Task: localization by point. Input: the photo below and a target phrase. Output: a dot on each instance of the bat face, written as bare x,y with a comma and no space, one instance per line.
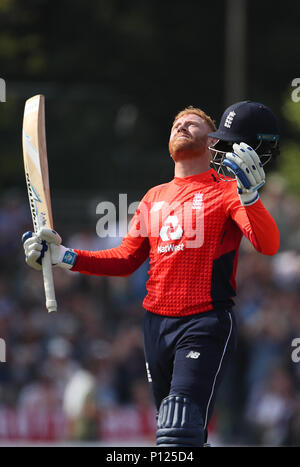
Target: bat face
35,162
37,180
36,213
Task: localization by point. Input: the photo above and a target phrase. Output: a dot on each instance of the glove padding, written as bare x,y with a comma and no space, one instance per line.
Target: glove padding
35,246
248,170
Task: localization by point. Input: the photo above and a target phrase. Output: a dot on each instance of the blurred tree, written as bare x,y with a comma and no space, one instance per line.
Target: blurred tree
94,59
289,160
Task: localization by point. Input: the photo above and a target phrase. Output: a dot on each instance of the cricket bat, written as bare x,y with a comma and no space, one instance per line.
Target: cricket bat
37,180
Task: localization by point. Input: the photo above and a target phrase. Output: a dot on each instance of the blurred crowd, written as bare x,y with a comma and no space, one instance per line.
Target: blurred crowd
88,357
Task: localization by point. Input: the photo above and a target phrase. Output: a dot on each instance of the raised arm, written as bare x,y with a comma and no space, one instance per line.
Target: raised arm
256,223
243,203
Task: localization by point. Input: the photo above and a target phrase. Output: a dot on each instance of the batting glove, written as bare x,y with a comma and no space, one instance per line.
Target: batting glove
35,246
248,170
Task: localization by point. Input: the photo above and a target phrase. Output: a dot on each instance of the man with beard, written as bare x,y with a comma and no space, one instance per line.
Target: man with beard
191,228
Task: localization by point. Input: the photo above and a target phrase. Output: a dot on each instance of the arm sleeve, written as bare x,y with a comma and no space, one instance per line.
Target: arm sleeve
255,222
122,260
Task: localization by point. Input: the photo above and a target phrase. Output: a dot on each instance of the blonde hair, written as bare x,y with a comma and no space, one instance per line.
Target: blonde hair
194,110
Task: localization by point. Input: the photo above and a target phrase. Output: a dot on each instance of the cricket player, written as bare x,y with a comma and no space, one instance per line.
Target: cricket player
191,228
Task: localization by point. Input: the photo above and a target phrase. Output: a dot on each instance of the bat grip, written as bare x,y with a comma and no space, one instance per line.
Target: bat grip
48,283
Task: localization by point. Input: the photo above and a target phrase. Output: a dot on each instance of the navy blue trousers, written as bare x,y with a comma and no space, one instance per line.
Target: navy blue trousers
188,355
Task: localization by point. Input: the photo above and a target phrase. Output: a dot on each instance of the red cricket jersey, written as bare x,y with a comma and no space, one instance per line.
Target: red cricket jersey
191,229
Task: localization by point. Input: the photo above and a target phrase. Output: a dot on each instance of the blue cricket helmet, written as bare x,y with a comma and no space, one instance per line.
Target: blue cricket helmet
248,122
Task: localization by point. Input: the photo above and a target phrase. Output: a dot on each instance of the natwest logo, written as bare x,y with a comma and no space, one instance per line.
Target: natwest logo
170,247
171,230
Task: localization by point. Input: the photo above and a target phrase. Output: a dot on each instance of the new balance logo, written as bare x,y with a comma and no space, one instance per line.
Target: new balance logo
193,354
229,119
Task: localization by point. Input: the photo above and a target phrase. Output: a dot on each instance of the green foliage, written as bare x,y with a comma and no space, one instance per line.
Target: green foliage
289,166
289,159
291,112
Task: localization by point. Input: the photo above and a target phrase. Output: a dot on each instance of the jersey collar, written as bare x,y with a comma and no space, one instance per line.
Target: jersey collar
205,177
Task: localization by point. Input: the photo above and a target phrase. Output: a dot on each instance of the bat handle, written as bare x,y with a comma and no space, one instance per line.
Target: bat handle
48,283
